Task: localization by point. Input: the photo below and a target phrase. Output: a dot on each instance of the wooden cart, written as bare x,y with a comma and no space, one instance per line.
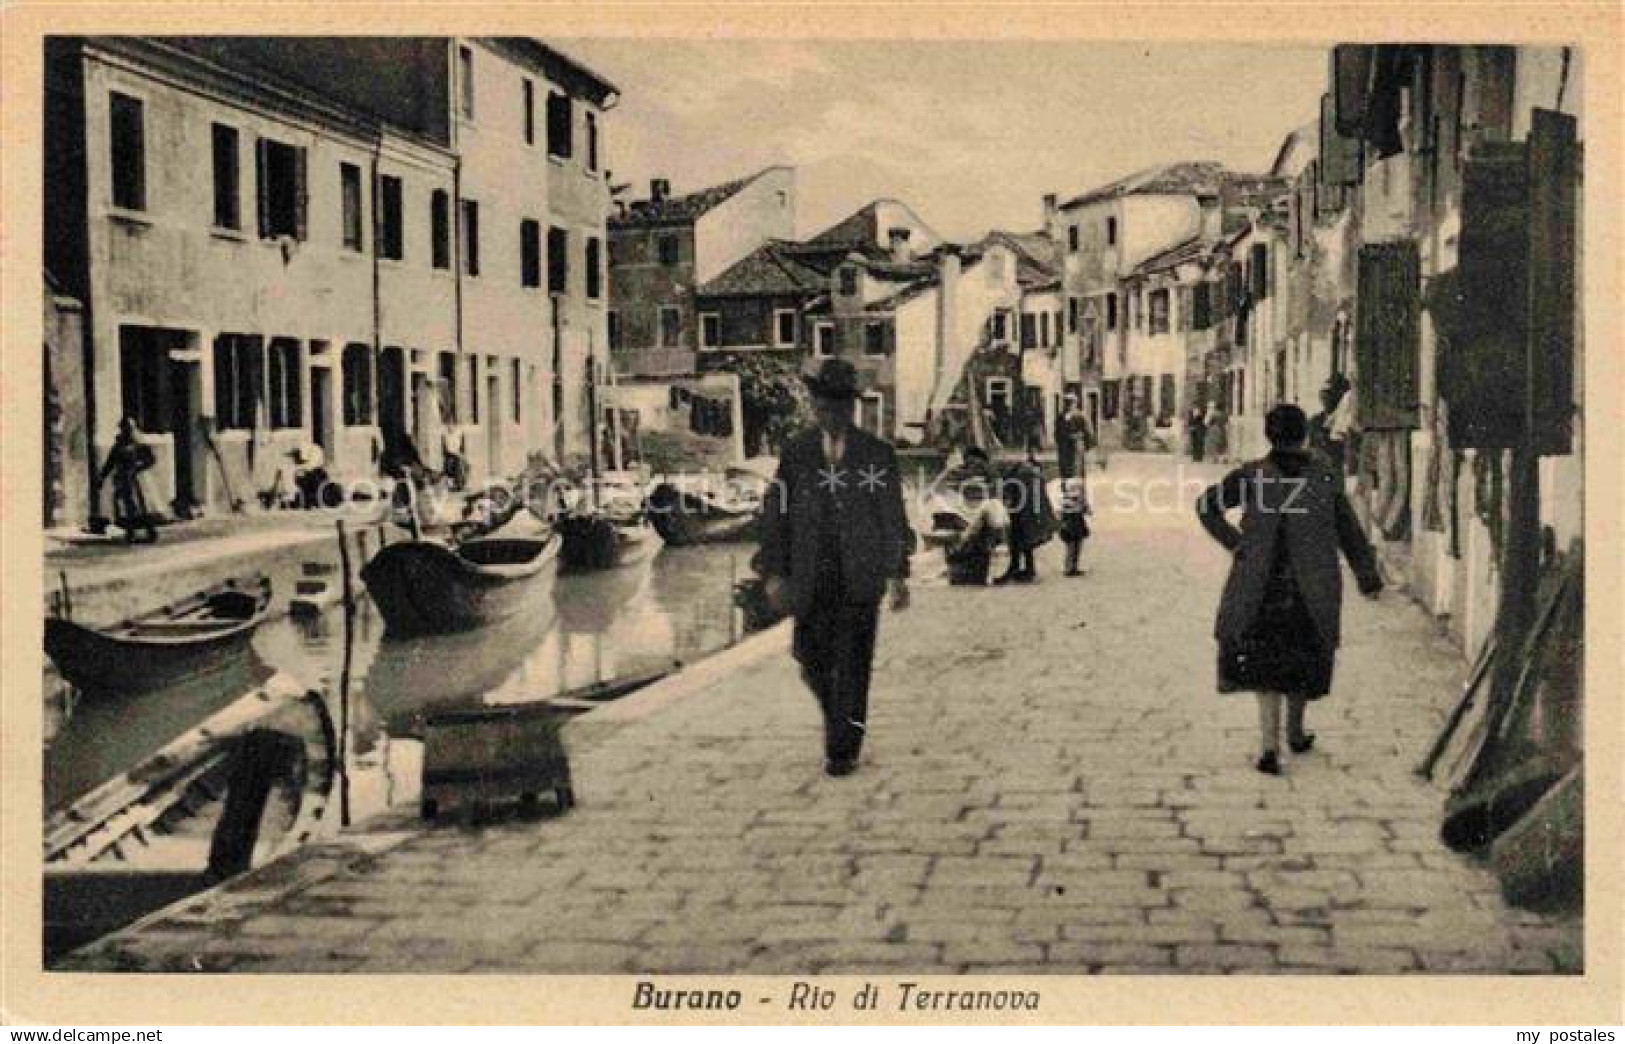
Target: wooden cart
483,756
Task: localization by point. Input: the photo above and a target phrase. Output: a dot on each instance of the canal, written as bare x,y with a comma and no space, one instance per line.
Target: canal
631,622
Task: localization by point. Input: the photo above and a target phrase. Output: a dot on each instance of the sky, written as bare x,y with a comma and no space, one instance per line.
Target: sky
970,134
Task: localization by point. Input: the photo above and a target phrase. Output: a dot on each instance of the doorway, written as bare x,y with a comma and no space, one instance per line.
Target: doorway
161,391
493,426
185,402
321,409
392,391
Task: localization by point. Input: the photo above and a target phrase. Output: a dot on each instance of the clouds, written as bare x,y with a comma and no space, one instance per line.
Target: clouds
970,133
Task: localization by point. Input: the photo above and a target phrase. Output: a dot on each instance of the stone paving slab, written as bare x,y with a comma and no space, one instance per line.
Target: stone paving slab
1051,785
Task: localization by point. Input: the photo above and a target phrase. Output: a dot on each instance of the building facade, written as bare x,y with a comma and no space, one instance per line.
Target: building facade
277,247
663,248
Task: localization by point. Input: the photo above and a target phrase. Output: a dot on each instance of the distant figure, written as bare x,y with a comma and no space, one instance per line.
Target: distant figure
309,474
1279,619
835,535
1074,521
1323,439
400,458
1031,520
1218,432
126,460
1076,440
1196,426
455,463
988,526
400,461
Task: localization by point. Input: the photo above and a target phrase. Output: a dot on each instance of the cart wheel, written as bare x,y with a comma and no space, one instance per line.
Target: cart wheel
428,808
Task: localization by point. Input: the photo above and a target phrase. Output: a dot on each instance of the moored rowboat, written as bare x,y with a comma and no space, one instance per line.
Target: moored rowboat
421,587
204,632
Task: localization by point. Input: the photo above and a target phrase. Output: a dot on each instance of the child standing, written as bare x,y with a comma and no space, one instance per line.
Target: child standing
1074,523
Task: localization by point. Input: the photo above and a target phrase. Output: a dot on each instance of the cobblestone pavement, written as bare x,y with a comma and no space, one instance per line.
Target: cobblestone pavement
1051,785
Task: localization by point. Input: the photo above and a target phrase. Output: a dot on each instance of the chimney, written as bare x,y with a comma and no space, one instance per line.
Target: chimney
947,306
1051,214
897,242
1212,219
659,189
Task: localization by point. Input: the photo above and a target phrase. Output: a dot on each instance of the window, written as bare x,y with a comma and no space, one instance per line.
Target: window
1108,399
465,80
558,261
529,103
391,230
592,141
1202,306
144,376
473,389
238,372
1111,311
448,387
849,281
710,330
350,205
1260,271
282,195
1029,330
1043,329
614,322
784,327
286,405
558,125
668,247
1055,327
1111,231
1072,238
471,237
872,413
1159,311
824,340
874,338
1074,308
998,326
530,253
128,136
595,268
517,390
1165,399
440,229
671,326
227,201
358,387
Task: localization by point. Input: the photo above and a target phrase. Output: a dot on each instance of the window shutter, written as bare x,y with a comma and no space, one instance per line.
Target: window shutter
1386,338
301,188
1553,187
1516,293
261,190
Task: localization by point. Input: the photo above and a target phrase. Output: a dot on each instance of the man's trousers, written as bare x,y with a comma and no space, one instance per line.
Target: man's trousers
835,645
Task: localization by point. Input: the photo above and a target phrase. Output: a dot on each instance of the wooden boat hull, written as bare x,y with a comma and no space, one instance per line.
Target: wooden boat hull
685,519
161,648
592,542
421,587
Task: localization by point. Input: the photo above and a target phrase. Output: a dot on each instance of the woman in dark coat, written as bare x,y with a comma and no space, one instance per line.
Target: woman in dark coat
1279,620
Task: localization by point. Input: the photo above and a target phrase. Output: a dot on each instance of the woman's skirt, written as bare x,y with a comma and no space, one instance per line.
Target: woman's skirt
1281,652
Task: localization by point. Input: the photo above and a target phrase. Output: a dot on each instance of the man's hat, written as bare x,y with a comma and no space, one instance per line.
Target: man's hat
835,379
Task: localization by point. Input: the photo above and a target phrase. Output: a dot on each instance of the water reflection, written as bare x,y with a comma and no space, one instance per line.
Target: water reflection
673,607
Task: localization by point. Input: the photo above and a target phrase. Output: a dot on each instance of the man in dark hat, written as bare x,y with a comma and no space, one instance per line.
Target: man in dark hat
835,537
